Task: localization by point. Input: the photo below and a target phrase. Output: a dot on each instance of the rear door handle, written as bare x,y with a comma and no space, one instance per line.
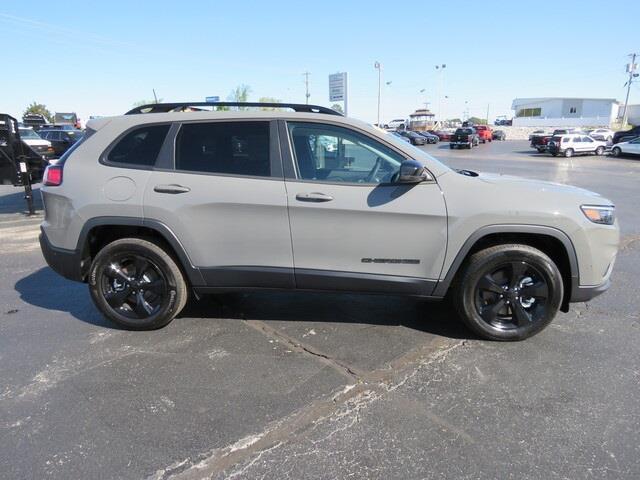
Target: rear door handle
316,197
172,189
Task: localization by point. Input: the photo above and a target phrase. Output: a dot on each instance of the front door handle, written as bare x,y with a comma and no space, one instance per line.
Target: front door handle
316,197
172,189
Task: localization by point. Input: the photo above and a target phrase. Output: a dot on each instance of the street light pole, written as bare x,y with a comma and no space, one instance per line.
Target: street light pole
378,66
440,68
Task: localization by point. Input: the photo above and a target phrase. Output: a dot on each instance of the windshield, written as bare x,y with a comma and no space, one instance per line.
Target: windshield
28,133
75,135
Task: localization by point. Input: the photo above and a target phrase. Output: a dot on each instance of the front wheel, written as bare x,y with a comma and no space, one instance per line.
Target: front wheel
616,152
568,152
508,292
135,283
600,151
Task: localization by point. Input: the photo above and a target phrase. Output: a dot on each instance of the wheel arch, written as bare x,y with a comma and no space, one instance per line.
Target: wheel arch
553,242
99,231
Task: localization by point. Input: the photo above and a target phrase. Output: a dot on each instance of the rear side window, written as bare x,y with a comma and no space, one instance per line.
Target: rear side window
140,146
232,148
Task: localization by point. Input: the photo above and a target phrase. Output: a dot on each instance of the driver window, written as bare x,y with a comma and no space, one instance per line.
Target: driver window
332,154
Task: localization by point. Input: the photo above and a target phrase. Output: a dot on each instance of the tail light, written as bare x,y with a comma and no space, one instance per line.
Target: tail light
52,176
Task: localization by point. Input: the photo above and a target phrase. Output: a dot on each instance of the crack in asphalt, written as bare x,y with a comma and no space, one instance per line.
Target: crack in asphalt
349,401
300,347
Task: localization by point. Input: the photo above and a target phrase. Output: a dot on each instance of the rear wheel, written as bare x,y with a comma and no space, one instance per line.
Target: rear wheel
508,292
137,284
568,152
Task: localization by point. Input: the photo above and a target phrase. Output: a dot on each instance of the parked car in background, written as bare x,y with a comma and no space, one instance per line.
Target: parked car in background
38,144
464,137
631,147
431,138
34,120
398,124
485,134
61,140
575,144
499,135
413,137
540,141
443,135
503,120
603,134
536,132
626,135
397,135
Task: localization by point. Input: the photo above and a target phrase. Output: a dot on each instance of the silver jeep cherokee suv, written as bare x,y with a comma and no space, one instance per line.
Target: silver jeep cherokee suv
165,200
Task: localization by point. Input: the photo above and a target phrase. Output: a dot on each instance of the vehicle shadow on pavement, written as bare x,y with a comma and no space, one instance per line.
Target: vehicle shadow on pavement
46,289
16,203
437,318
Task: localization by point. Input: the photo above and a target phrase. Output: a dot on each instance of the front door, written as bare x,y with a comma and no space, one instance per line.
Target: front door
352,228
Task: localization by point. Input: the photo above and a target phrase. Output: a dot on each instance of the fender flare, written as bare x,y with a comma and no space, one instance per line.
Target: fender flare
444,283
193,272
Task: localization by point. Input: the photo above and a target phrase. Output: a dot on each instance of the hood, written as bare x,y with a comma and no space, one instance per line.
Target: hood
540,186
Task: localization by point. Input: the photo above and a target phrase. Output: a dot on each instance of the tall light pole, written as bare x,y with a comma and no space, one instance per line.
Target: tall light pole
306,87
631,68
378,66
440,68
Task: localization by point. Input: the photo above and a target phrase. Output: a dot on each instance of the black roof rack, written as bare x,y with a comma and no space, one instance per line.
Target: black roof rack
168,107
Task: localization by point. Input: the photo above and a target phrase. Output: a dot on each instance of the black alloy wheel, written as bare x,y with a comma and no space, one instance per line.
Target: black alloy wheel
511,296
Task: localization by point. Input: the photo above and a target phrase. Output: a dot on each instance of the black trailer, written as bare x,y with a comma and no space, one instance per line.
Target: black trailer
19,164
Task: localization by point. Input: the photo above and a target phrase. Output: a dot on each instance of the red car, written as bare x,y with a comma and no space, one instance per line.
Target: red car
484,132
441,134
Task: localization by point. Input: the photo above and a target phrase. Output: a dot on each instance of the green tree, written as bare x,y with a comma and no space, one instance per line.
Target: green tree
268,100
140,103
337,107
39,109
240,93
477,121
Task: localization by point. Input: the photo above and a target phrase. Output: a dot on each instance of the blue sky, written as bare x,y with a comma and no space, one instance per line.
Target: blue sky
98,58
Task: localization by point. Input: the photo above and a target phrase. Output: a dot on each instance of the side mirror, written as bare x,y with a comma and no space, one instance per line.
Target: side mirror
412,171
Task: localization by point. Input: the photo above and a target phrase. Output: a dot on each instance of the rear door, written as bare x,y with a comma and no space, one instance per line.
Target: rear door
352,228
218,186
588,145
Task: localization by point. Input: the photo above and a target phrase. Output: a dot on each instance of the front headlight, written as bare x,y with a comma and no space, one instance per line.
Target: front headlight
602,214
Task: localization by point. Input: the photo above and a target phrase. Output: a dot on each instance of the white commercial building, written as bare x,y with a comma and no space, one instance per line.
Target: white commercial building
564,112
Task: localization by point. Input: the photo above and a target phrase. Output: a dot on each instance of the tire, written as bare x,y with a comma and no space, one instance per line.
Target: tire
126,296
599,151
488,292
616,151
568,152
470,145
540,150
451,145
554,154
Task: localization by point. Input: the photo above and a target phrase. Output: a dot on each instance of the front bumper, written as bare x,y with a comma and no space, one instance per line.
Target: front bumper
67,263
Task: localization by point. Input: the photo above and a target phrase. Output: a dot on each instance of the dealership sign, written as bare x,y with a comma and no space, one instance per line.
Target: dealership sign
212,99
338,87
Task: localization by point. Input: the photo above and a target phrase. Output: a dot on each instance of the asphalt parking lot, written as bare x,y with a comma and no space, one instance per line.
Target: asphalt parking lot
268,385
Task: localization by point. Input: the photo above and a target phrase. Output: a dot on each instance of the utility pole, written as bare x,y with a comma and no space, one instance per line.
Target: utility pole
155,97
306,87
378,66
440,68
631,68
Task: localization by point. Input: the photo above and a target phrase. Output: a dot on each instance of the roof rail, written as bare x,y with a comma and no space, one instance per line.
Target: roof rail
168,107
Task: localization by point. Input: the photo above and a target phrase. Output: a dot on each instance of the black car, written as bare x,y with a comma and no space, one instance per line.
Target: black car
61,140
499,135
413,137
626,135
431,138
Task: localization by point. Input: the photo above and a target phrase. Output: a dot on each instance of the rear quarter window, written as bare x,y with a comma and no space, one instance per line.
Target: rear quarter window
139,147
